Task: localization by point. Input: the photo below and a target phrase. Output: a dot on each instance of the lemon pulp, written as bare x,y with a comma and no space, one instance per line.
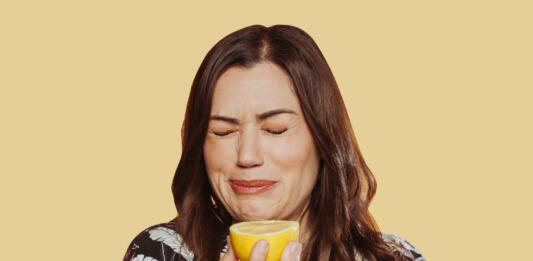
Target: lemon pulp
276,232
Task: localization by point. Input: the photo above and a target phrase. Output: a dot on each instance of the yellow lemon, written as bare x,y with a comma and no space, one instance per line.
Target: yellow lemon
276,232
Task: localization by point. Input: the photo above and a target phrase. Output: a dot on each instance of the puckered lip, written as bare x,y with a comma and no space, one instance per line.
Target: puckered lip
255,186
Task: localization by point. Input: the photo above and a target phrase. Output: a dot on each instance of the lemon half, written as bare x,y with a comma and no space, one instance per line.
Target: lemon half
276,232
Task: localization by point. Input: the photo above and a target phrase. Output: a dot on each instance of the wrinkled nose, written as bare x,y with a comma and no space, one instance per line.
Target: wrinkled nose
249,150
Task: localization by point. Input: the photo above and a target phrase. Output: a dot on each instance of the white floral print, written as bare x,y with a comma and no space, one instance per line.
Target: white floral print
143,258
403,246
172,239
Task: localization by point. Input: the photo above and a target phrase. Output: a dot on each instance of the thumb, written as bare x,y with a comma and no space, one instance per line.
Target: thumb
292,251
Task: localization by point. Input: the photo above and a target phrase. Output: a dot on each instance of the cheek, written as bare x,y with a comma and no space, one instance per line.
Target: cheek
218,159
216,154
296,153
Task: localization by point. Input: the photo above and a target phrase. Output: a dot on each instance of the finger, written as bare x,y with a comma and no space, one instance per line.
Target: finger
292,252
259,251
230,254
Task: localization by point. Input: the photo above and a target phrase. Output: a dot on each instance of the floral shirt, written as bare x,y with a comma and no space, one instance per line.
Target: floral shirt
162,243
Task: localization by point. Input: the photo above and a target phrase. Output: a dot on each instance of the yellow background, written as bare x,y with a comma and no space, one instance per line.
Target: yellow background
93,95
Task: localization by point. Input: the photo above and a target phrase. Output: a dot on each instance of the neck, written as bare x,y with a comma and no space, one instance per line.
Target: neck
305,230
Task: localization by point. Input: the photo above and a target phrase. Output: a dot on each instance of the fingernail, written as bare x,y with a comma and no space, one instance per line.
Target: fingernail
262,245
296,250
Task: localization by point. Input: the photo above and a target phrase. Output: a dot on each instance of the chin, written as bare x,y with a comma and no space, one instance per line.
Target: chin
251,214
254,209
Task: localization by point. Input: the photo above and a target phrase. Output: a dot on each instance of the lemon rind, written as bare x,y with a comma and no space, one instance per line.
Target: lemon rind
290,227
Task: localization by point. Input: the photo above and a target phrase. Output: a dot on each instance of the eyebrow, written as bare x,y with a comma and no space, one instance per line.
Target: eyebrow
259,117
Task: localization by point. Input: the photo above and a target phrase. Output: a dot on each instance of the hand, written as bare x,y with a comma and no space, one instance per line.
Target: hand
259,251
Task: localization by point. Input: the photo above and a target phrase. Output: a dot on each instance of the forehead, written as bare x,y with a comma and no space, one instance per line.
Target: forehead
262,87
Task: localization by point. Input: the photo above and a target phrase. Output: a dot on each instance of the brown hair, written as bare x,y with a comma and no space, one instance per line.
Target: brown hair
340,222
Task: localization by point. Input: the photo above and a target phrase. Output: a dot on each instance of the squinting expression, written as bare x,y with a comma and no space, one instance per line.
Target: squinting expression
259,154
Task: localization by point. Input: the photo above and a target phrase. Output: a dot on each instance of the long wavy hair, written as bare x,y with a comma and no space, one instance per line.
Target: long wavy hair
340,222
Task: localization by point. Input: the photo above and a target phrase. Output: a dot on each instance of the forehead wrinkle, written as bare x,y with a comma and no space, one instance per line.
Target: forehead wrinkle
240,90
259,117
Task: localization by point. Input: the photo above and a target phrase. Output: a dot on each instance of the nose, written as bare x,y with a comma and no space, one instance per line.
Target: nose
249,150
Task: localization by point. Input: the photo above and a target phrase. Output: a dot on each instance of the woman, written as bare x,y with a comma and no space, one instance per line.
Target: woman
266,136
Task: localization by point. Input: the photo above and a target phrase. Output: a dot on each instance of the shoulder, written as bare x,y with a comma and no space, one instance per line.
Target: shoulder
402,247
158,242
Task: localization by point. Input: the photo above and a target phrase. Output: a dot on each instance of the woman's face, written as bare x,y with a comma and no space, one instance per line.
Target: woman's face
259,154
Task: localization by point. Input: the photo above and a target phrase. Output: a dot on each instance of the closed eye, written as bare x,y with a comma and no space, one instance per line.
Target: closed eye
224,133
276,132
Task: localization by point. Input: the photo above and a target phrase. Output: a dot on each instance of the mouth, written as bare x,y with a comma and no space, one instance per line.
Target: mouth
250,187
